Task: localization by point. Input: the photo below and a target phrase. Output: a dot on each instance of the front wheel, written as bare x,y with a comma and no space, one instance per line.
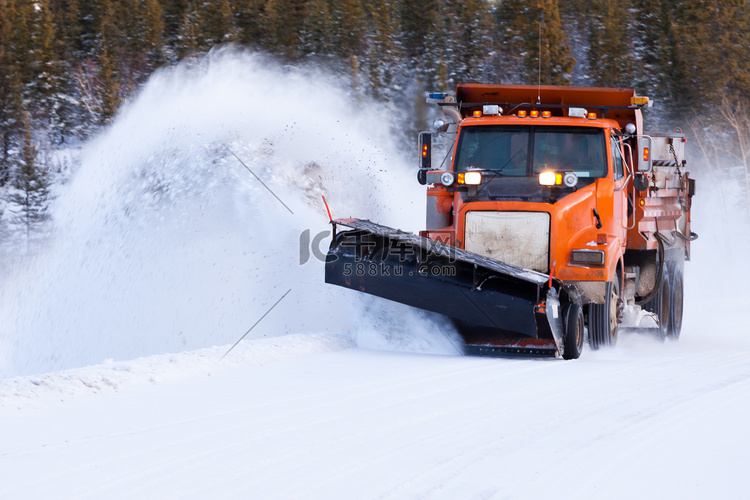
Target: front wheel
573,337
604,318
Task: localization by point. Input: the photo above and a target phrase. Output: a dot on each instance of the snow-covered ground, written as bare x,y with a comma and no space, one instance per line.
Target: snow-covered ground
309,416
119,381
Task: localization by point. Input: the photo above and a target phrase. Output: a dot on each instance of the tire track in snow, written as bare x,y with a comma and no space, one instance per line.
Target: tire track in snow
313,449
376,387
437,475
418,426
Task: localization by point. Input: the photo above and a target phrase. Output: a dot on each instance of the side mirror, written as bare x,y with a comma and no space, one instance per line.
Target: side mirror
644,153
425,150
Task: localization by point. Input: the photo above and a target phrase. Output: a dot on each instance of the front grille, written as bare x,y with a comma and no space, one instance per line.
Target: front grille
518,238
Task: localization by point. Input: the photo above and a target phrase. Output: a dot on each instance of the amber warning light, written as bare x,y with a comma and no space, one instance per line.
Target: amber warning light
425,150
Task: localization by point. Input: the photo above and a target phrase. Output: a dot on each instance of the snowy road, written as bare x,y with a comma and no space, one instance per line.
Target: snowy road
318,419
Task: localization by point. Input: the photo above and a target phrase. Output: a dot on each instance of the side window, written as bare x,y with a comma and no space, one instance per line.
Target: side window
617,159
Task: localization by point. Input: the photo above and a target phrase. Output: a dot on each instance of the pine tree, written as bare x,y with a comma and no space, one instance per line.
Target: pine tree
611,57
48,64
109,82
533,32
20,17
284,22
248,20
554,60
88,25
438,51
69,27
30,196
712,51
383,50
153,32
349,26
173,14
108,90
471,38
11,92
654,31
189,36
419,22
316,35
216,18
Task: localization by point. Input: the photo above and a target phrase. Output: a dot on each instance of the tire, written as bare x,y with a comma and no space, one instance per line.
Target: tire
676,297
604,318
573,337
660,304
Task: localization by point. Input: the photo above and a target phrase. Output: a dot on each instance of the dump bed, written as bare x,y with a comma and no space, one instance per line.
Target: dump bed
614,103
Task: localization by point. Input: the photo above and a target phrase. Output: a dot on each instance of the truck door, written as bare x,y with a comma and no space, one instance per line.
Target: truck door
620,209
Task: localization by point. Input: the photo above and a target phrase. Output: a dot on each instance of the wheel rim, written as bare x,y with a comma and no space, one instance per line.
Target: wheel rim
677,297
579,333
614,299
664,305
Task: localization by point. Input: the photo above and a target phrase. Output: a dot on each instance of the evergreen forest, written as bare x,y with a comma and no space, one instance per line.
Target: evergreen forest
66,66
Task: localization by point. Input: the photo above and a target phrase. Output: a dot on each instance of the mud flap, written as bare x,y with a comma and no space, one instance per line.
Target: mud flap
498,308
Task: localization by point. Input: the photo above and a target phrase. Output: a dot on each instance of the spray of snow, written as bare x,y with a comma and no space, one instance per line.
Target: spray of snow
165,241
716,292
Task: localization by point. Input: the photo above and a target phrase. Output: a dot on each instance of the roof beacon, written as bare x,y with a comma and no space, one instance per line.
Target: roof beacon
577,112
492,109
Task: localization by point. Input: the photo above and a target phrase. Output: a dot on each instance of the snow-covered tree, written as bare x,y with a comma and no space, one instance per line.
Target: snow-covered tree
383,47
29,196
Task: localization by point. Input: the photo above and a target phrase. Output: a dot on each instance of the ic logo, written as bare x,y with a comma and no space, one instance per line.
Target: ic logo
308,247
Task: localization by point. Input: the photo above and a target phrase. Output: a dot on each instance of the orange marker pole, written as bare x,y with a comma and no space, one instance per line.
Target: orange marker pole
551,272
330,219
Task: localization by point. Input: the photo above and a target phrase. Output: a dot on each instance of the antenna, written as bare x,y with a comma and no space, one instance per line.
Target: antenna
539,59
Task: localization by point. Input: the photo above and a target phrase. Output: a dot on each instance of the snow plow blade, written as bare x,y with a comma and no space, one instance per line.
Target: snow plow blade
499,309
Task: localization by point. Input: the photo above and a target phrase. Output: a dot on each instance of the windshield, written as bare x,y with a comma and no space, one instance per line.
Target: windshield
525,151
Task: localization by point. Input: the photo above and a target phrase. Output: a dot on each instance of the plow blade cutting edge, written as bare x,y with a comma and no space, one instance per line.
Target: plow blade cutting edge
499,309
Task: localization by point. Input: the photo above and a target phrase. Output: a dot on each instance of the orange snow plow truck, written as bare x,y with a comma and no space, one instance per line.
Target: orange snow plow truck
551,214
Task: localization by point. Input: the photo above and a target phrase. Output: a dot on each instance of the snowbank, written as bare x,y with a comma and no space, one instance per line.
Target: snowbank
35,390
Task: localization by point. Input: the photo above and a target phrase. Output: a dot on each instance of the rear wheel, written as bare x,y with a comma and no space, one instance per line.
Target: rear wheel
573,338
674,325
660,303
604,318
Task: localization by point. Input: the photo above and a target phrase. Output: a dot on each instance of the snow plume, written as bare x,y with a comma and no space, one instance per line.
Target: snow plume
717,295
165,241
388,326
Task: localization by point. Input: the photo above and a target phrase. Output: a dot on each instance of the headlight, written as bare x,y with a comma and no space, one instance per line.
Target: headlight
447,178
470,178
587,257
550,178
